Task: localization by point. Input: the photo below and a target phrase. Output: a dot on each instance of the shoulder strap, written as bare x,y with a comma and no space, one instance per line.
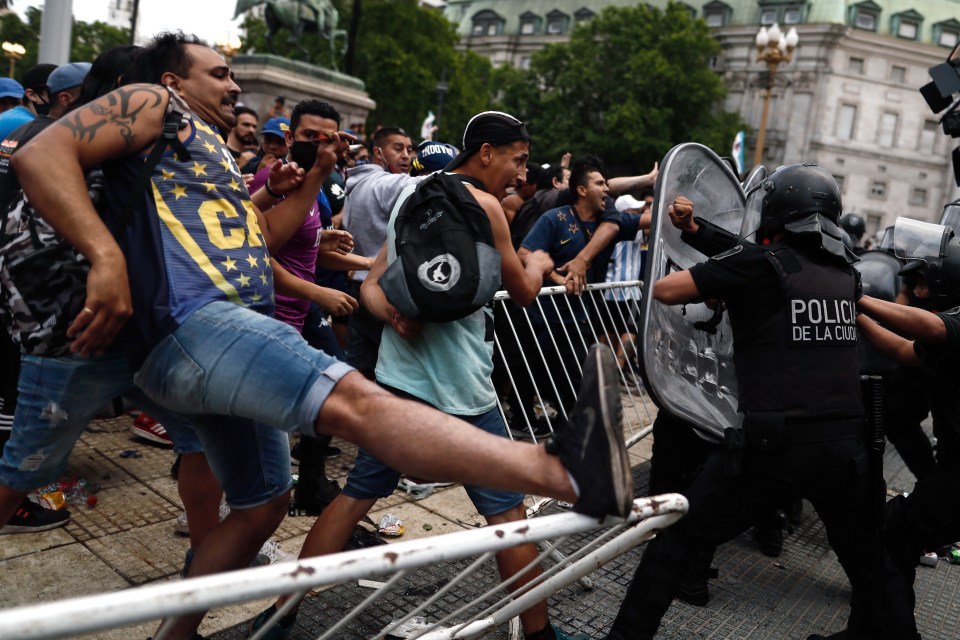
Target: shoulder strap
169,137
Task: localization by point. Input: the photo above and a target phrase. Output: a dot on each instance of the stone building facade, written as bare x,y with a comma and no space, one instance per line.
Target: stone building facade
848,100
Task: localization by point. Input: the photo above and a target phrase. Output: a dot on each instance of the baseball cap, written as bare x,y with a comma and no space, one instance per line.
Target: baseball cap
67,76
494,127
36,76
432,156
627,201
10,88
276,126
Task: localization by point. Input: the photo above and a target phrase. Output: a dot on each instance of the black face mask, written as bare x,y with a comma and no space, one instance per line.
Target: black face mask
43,108
304,153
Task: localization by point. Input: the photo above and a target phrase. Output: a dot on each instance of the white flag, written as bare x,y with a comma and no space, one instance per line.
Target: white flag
426,129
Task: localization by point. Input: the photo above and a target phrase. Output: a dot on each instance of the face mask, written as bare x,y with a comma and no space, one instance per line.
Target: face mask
42,108
304,153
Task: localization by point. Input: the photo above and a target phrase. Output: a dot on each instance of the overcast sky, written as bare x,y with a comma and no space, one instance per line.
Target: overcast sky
209,19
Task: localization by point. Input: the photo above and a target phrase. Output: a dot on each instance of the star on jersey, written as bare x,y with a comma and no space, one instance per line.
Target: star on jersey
253,260
179,191
573,229
209,146
231,265
210,186
167,174
561,216
199,169
244,281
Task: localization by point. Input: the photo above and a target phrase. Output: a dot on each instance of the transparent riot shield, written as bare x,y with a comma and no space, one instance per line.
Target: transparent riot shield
879,272
687,357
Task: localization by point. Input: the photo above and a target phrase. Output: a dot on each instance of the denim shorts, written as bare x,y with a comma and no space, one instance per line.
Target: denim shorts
370,478
58,397
227,360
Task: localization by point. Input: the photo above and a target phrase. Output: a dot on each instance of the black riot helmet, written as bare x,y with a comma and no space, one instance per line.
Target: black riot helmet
931,251
803,200
854,225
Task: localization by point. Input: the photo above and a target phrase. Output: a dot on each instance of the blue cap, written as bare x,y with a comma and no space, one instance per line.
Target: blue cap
432,156
276,126
10,88
67,76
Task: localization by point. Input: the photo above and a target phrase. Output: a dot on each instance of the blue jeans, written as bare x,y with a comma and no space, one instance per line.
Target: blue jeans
370,478
228,360
58,397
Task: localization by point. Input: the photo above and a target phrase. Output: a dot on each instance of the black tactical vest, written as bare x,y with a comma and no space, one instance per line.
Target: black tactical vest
802,361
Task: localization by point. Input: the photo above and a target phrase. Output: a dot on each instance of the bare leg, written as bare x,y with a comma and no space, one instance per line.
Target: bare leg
229,546
512,561
200,493
423,442
332,529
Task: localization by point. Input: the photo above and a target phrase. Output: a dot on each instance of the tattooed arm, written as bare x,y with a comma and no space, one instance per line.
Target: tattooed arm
51,169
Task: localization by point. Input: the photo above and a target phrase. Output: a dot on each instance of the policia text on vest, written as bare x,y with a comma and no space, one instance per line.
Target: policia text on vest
822,321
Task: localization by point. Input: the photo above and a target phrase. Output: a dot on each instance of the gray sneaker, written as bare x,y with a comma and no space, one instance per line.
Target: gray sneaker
591,445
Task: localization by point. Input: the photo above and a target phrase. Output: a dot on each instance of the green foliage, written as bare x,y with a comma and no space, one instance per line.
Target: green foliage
631,83
403,51
88,40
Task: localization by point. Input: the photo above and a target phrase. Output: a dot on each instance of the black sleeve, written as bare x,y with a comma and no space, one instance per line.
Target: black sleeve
709,238
942,358
742,272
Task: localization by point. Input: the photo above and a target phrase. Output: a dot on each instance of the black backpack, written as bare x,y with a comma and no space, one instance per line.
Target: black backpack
447,266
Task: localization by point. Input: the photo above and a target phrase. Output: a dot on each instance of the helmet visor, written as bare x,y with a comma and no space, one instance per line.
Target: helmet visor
751,213
951,216
915,239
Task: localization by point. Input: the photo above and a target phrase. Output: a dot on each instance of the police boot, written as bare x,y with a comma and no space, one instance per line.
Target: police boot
768,532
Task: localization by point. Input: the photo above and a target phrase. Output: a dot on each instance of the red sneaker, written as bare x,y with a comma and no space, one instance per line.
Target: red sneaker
149,429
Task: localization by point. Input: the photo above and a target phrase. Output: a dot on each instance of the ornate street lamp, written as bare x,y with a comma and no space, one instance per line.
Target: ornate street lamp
14,51
775,49
229,47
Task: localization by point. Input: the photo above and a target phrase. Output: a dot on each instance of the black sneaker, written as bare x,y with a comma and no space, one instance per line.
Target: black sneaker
591,445
31,517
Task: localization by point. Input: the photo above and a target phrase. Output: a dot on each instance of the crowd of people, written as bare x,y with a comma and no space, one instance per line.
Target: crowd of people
238,283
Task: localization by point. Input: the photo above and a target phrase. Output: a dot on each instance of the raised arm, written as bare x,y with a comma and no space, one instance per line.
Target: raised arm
907,321
888,343
51,169
626,184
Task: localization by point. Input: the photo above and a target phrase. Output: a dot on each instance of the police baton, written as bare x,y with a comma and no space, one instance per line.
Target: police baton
872,388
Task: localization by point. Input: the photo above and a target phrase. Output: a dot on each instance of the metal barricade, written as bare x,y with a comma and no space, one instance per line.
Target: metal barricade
69,618
538,363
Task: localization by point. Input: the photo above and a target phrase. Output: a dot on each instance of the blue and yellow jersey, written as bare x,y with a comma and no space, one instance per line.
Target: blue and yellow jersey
195,240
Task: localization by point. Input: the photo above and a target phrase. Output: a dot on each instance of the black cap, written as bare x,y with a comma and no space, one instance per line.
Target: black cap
493,127
36,76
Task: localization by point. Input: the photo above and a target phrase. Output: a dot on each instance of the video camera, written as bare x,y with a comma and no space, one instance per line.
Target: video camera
939,96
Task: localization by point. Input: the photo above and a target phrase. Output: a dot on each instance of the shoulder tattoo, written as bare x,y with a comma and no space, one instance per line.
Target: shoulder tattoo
117,111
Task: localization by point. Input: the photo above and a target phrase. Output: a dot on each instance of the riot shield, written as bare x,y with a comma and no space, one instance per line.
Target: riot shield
687,370
757,175
879,273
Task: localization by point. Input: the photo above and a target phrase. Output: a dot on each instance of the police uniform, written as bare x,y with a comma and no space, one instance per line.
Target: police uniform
930,516
792,312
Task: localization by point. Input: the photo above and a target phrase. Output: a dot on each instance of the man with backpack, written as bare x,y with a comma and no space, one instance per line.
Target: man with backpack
439,328
201,297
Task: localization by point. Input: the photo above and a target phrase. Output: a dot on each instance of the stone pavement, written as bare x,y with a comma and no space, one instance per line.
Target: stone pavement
128,540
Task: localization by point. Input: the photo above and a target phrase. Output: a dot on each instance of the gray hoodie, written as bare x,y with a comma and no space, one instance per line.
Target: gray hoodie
371,194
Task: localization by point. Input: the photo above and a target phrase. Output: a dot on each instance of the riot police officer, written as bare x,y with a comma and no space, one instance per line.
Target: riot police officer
790,298
930,516
855,226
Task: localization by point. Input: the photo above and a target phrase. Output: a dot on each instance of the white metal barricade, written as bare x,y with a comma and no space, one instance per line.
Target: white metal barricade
537,363
68,618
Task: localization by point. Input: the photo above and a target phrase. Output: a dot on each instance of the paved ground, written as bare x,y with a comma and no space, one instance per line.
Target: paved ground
128,539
